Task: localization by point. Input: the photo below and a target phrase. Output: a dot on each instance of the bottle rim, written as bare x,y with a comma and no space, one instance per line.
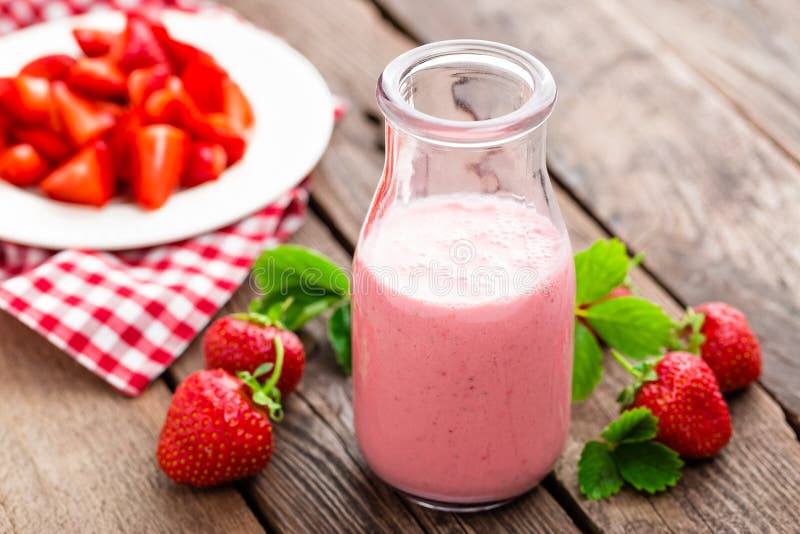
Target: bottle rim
528,116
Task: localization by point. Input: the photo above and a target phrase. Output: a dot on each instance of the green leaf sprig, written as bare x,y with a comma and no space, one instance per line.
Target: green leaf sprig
628,454
298,284
630,324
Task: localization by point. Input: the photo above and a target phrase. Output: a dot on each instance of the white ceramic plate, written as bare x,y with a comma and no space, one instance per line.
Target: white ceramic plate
294,118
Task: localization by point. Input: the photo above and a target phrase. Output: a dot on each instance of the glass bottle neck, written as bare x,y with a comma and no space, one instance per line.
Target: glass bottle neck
516,168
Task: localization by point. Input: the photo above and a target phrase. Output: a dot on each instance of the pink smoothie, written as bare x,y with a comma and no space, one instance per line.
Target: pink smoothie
462,347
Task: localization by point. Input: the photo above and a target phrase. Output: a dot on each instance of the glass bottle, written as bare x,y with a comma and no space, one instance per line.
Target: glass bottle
463,282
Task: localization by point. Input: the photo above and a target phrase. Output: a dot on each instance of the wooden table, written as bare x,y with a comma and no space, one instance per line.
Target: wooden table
677,130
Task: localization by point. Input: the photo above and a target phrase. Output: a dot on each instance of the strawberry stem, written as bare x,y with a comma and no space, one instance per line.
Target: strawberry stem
268,394
255,318
626,364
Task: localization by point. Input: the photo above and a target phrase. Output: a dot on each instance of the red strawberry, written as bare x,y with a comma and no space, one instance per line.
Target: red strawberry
53,67
83,120
98,77
237,107
215,430
730,347
204,82
682,391
121,142
243,342
94,43
213,433
46,142
86,178
143,82
21,165
138,46
205,163
159,158
217,128
29,100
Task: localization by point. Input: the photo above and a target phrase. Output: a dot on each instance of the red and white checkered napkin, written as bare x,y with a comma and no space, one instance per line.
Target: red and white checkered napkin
126,316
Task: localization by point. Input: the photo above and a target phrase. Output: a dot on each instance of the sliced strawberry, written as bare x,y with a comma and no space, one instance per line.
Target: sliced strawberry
6,93
112,109
169,105
30,100
21,165
5,130
94,43
98,78
83,121
52,67
143,82
46,142
235,104
138,47
87,178
182,54
121,140
203,82
218,128
160,157
205,163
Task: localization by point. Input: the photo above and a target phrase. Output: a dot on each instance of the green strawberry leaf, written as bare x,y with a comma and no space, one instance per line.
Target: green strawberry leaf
599,269
598,475
310,282
339,335
648,466
587,367
632,325
632,426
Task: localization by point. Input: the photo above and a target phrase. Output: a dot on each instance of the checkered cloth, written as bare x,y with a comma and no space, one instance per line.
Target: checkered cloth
126,316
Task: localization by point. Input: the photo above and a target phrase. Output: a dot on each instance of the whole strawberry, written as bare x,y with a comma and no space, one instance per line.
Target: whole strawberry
243,342
682,391
730,348
216,429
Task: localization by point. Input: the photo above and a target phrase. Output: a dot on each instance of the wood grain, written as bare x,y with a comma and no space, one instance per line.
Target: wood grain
351,170
749,51
661,158
75,456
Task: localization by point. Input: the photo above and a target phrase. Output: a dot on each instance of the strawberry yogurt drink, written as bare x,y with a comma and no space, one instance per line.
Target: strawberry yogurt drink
463,288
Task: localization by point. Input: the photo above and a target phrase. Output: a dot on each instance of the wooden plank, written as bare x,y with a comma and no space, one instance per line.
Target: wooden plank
351,172
317,478
75,455
661,158
750,51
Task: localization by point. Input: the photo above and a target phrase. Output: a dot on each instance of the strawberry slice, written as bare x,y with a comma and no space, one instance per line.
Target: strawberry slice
205,163
160,158
138,47
98,77
169,105
235,105
5,130
6,93
52,67
112,109
46,142
29,100
87,178
143,82
94,43
121,141
218,128
83,121
21,165
203,81
182,54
